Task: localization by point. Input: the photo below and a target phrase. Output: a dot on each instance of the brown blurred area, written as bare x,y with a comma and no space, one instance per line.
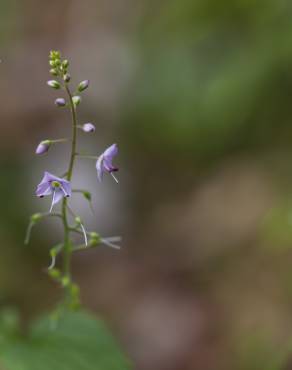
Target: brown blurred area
198,97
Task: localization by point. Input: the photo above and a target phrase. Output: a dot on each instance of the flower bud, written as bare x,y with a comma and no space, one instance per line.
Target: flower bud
65,281
83,85
55,273
54,72
36,218
52,63
75,290
54,84
65,63
78,220
43,147
94,239
76,100
67,77
60,102
54,54
87,195
88,127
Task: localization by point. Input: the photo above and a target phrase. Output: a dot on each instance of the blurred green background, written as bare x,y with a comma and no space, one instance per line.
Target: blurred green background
198,96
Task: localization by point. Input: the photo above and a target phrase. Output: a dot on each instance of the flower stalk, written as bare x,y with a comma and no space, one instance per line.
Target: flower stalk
60,187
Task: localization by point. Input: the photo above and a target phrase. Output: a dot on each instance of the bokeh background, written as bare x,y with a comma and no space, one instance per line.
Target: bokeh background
198,96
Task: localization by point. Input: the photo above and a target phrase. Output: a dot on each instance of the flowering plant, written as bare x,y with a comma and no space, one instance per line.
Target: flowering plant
60,188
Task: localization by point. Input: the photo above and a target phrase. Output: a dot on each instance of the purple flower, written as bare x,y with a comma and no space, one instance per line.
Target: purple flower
43,147
104,162
52,184
88,127
60,102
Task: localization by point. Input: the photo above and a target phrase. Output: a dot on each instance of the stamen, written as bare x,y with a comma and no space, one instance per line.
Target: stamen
109,244
114,239
53,200
52,265
64,191
84,234
114,177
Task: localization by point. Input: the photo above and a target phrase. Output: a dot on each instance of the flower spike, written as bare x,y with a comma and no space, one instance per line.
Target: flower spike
59,188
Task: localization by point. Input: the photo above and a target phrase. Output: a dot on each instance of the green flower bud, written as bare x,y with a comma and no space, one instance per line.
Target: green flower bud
94,239
55,273
67,77
65,281
83,85
53,252
57,62
65,63
36,217
54,54
78,220
76,100
75,290
87,195
54,84
54,72
52,63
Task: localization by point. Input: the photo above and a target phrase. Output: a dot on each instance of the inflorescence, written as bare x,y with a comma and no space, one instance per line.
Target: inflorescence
59,188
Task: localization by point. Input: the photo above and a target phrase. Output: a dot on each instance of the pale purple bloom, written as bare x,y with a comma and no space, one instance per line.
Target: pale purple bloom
53,185
43,147
104,162
88,127
83,85
60,102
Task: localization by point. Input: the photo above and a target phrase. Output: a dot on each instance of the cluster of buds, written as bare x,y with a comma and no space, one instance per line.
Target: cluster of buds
60,188
59,68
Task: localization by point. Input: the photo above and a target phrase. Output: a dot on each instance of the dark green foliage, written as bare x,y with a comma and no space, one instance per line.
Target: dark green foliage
80,342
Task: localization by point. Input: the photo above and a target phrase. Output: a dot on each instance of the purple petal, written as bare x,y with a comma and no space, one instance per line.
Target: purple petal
66,188
108,158
43,190
50,177
44,185
110,152
57,196
100,168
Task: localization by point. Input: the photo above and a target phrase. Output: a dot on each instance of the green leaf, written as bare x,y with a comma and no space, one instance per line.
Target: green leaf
80,342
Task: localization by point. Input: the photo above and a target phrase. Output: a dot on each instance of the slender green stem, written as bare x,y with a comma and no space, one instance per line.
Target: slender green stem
67,241
86,156
58,141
